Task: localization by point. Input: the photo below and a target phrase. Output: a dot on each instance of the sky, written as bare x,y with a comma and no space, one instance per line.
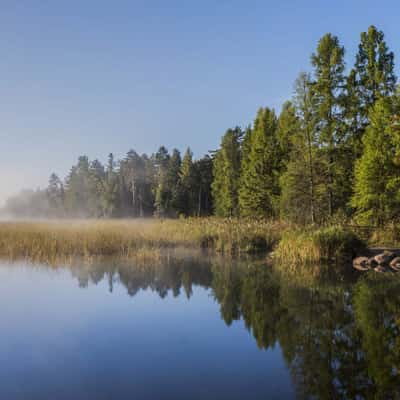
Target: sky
93,77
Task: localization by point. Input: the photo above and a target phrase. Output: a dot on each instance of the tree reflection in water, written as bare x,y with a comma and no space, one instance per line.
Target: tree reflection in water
339,337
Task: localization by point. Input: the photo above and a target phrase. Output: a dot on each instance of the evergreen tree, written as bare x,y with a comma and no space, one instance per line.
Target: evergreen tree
204,178
299,181
135,184
371,78
259,181
162,194
171,185
110,199
186,194
377,174
55,196
77,194
226,172
374,69
328,90
288,127
96,180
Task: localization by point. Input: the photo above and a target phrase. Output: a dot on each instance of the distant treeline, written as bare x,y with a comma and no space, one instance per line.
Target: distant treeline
163,184
332,152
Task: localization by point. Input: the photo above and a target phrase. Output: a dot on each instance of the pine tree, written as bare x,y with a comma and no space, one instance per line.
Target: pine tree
259,181
288,127
377,175
186,193
172,183
371,78
328,90
55,196
77,194
299,181
162,196
204,178
110,198
226,172
374,70
96,182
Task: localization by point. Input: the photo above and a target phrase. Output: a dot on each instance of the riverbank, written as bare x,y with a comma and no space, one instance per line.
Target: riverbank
45,241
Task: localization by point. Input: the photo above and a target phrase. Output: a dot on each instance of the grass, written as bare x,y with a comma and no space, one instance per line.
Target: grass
143,241
316,246
47,241
389,236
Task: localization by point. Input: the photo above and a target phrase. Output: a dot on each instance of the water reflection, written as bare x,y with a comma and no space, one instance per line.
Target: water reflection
339,337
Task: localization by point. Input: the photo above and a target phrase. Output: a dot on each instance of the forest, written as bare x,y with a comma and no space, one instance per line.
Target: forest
331,154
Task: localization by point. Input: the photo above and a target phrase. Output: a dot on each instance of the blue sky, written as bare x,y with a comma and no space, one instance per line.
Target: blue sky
93,77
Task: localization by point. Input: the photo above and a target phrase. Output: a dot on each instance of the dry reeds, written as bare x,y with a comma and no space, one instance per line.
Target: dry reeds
46,241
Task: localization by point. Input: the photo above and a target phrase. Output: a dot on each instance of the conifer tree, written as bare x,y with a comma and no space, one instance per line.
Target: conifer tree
288,127
226,172
172,182
328,90
299,181
259,181
204,178
374,69
110,200
55,196
371,78
162,198
377,174
186,194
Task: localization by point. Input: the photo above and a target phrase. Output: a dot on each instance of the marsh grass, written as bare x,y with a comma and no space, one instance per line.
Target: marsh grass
48,241
318,246
388,236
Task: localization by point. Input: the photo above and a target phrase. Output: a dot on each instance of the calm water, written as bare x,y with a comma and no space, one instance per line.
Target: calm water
195,329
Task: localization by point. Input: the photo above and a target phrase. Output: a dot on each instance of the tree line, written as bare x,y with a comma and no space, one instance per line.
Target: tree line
332,152
163,184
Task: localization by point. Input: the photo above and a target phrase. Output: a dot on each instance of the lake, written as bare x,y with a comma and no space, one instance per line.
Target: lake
196,328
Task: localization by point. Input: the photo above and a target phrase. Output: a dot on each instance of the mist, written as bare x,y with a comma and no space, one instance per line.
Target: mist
161,184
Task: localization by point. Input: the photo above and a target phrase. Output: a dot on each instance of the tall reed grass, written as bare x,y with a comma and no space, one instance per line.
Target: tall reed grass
316,246
45,241
388,236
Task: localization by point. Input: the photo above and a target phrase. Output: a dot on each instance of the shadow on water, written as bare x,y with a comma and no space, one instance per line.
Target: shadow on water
339,335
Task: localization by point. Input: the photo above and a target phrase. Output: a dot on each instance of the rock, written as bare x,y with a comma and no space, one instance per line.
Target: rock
363,261
372,262
395,264
385,257
381,268
360,267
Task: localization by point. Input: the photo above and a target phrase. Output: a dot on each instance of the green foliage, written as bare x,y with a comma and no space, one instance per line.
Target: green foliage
298,182
259,187
376,306
204,168
328,63
374,71
226,170
288,127
377,174
332,153
187,181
